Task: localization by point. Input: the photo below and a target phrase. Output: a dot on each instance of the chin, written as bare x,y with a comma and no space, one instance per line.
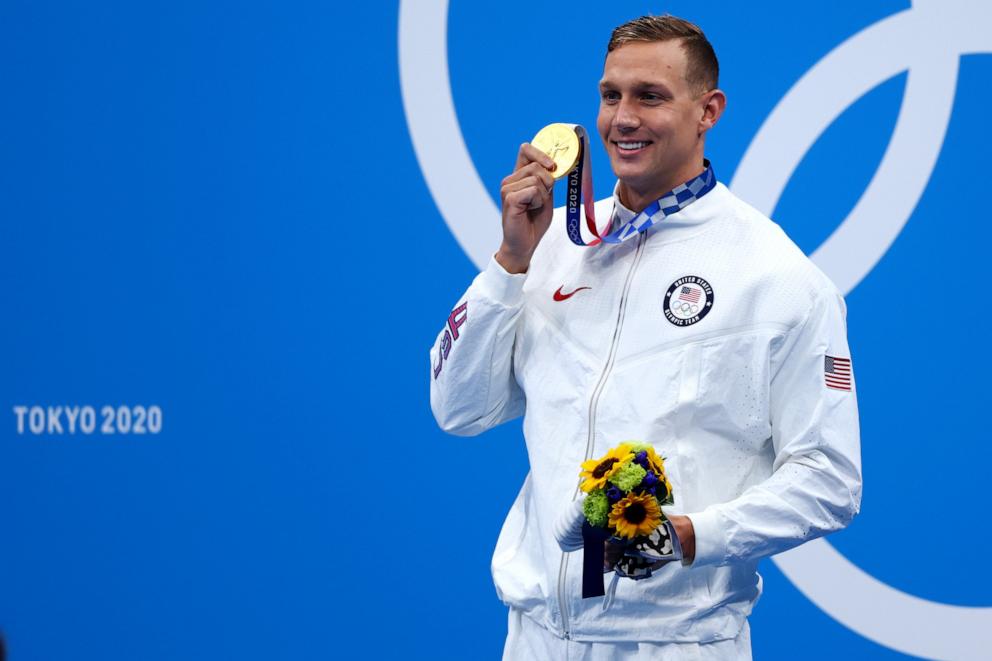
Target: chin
623,169
630,176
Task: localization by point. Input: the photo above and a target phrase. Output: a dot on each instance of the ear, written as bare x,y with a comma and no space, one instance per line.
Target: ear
713,103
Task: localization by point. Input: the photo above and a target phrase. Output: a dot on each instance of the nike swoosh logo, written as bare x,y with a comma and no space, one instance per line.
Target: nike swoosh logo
562,297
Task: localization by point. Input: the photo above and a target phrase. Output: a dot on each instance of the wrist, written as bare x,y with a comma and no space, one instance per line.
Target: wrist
512,263
687,536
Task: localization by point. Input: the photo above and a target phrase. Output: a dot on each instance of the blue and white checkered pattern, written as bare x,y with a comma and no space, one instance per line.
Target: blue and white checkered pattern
672,202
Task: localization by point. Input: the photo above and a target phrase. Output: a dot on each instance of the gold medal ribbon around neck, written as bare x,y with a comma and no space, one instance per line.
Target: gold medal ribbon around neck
568,147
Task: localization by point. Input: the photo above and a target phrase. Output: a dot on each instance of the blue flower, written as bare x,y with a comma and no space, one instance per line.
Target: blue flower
650,480
641,458
614,494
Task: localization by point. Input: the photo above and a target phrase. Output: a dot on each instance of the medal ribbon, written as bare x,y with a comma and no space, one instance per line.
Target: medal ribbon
580,190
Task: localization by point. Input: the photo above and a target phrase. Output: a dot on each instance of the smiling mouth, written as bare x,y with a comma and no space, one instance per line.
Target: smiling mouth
631,146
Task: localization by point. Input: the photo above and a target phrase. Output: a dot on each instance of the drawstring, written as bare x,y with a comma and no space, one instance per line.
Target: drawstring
635,572
611,591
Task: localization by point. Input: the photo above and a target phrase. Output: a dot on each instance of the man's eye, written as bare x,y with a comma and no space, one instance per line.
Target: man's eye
610,96
648,96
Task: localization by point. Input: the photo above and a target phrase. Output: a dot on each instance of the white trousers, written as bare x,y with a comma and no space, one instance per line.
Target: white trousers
526,640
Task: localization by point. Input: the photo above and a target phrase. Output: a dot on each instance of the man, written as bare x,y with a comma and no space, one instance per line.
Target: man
708,335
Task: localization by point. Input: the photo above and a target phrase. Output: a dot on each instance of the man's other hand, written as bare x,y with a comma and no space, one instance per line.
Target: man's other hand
687,536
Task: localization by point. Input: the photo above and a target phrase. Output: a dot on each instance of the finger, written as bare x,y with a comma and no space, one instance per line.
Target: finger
536,196
530,170
543,173
528,153
526,182
527,199
612,552
533,170
540,200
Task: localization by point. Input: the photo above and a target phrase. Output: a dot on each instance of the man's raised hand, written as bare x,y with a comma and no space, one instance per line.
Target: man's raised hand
526,197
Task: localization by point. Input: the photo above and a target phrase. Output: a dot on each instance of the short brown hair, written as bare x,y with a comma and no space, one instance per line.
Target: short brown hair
702,69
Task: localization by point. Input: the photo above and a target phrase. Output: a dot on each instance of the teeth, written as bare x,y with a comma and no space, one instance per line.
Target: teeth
631,145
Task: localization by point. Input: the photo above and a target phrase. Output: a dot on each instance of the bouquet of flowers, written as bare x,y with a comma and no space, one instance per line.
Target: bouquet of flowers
623,527
625,491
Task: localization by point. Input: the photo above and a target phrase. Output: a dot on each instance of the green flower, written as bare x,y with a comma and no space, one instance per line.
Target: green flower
596,508
638,446
628,477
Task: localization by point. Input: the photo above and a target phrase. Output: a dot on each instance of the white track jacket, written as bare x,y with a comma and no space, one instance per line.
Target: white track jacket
710,336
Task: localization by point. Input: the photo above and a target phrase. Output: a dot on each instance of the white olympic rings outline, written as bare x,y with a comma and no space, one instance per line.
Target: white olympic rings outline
926,40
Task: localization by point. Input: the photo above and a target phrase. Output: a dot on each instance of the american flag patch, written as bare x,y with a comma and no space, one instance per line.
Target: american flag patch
689,294
837,372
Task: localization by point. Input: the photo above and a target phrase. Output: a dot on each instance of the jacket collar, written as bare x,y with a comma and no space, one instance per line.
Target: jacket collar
681,223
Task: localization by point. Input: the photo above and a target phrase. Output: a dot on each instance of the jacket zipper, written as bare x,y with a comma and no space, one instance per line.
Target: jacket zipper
593,403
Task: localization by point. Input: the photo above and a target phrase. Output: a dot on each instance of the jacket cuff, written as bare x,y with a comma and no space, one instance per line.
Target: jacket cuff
500,286
710,544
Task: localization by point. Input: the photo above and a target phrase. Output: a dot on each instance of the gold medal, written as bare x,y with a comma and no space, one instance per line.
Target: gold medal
560,142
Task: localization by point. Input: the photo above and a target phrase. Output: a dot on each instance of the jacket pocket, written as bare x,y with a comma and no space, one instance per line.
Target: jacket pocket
516,573
734,384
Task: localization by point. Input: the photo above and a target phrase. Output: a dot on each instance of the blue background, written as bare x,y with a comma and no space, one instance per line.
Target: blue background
216,209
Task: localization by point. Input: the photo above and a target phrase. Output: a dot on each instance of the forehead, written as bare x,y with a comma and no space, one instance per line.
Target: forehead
642,62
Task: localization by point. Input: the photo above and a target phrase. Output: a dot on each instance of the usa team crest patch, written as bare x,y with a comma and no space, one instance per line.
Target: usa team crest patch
688,300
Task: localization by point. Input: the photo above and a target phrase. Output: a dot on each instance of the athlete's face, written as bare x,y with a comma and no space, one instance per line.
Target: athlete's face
651,121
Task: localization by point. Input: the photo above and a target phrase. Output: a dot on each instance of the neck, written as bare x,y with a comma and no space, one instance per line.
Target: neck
637,197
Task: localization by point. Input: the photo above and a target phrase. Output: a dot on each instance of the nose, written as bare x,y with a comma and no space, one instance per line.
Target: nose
626,118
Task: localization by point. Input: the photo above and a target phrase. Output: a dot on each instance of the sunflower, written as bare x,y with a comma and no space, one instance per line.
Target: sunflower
636,515
655,463
595,472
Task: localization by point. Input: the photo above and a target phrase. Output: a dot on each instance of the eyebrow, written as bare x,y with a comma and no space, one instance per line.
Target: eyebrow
638,86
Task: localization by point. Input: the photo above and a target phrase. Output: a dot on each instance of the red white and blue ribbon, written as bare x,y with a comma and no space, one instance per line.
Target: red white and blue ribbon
580,191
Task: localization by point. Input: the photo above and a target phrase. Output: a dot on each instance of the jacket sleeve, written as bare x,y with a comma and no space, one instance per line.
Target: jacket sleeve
472,383
815,486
